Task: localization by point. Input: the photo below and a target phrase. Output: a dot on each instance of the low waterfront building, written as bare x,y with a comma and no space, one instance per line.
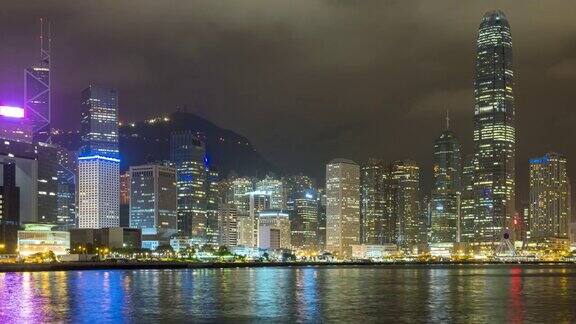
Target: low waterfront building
86,239
374,251
181,243
40,238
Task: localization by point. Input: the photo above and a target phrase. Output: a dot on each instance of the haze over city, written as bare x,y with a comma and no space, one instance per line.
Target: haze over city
305,81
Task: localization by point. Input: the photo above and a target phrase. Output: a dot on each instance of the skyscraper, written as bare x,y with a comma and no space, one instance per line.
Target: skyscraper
66,195
125,199
409,222
304,223
153,203
212,202
550,205
37,88
47,182
494,128
9,208
227,224
296,186
446,191
273,230
372,177
342,206
274,188
468,202
99,122
188,155
98,161
240,188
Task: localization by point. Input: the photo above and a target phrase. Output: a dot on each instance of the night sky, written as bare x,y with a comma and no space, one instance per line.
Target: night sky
306,81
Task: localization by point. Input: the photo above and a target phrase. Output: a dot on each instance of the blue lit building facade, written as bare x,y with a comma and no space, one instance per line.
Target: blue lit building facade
98,162
188,154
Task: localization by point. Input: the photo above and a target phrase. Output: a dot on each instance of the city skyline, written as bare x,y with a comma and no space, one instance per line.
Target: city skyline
433,79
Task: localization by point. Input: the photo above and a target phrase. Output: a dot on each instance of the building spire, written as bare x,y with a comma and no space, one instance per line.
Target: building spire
447,119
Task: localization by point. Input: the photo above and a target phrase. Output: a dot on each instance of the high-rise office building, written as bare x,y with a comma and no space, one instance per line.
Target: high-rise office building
188,154
98,161
494,128
275,189
66,193
372,177
37,86
212,203
304,222
446,191
409,221
9,209
550,205
468,202
153,203
99,122
342,206
47,183
296,186
321,232
227,224
273,230
240,188
24,157
125,199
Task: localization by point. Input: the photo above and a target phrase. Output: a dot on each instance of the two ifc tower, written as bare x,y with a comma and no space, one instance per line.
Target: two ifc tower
487,185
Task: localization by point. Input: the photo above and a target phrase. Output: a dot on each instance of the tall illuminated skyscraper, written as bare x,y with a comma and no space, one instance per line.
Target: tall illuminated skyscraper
446,191
99,160
304,224
37,88
212,203
550,205
494,128
342,206
275,188
372,177
188,154
468,201
240,188
409,222
153,203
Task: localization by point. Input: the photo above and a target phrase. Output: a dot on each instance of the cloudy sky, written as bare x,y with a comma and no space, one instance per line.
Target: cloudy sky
304,80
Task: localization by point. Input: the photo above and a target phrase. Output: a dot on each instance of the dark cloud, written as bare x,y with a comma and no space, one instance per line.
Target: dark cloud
305,80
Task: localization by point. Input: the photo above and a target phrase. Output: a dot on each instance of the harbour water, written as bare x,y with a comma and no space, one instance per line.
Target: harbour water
353,294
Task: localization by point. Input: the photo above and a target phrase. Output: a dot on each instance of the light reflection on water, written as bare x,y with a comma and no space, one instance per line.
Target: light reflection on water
512,294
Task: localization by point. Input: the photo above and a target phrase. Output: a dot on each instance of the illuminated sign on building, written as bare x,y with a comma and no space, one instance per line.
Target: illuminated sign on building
14,112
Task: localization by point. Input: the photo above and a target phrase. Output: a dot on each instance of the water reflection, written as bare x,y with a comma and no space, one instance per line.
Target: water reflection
310,294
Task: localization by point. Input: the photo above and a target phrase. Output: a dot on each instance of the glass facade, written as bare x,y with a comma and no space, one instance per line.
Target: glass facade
37,96
494,129
550,205
188,155
409,222
342,206
372,176
99,122
445,197
98,162
153,202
